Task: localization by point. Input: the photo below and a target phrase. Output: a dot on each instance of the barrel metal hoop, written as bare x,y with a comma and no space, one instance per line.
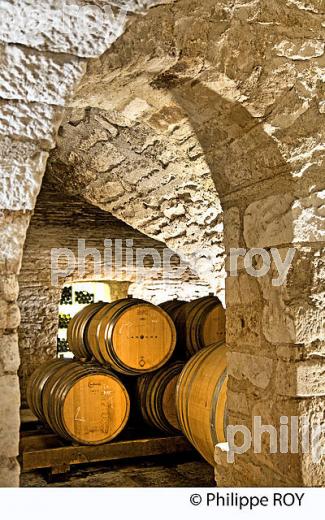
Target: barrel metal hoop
214,403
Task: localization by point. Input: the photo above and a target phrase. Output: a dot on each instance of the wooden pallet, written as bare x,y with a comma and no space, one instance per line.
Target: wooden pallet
41,449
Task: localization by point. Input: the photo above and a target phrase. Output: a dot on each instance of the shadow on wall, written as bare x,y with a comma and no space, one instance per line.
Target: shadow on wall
257,190
237,149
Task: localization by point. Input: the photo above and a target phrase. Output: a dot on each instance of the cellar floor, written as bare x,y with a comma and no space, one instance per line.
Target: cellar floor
173,471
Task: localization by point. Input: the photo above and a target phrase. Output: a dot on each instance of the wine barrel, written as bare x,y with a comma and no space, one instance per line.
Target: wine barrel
85,403
131,335
156,397
201,399
76,333
172,307
198,323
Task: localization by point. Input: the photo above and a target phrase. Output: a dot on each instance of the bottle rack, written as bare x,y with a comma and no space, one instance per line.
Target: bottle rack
72,301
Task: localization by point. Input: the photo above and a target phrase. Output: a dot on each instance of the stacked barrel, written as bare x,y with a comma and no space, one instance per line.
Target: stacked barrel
130,335
198,323
201,387
156,395
175,348
85,403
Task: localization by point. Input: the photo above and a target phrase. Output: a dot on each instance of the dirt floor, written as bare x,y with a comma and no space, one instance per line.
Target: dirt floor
180,471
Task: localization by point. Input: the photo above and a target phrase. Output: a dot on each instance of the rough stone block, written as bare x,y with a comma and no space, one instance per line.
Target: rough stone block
276,470
282,220
78,28
257,370
313,472
305,280
310,323
35,121
242,289
9,415
9,353
13,227
3,314
9,472
34,76
293,310
108,192
9,288
19,185
268,222
286,321
244,327
300,351
237,402
232,227
220,454
278,322
13,316
21,152
300,379
300,49
269,412
309,218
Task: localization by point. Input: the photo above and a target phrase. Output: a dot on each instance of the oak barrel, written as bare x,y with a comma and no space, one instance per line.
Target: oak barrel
81,402
198,323
156,397
77,327
201,399
131,335
173,308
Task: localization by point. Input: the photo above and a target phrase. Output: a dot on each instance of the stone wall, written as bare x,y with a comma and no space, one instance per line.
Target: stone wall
58,222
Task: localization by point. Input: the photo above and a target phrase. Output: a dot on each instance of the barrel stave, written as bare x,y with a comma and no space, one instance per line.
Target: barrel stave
201,399
157,408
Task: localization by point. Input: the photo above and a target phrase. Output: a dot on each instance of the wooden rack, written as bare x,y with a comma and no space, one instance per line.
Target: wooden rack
42,449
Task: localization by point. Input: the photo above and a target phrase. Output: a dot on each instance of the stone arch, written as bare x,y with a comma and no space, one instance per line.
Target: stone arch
52,258
154,182
269,89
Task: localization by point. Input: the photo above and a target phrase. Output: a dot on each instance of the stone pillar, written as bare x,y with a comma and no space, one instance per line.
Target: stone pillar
9,384
30,112
20,165
275,335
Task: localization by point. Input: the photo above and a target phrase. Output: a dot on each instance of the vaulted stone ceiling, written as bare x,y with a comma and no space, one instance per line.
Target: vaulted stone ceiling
194,102
160,184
